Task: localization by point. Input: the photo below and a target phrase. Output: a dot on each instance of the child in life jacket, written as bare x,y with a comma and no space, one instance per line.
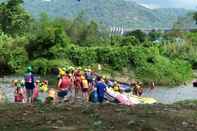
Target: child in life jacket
52,97
44,85
36,91
18,92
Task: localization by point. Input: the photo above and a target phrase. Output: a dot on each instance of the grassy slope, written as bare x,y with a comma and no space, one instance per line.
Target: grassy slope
179,117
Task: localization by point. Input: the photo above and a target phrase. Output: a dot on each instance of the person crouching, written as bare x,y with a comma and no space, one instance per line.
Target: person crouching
52,97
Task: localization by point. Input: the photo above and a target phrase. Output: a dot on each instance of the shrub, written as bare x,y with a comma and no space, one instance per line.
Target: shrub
40,66
165,71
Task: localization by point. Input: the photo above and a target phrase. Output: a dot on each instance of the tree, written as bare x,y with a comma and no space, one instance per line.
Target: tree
90,35
13,17
77,29
154,35
128,41
195,17
141,36
49,38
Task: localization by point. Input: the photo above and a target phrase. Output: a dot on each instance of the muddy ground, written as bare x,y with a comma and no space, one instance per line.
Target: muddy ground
96,117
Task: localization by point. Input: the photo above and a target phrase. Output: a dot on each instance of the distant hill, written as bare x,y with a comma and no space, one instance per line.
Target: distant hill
186,22
124,13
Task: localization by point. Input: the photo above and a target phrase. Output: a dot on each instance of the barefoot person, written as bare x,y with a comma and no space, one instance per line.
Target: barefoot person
29,84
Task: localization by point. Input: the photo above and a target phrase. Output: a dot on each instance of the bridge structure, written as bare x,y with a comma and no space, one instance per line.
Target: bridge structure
121,31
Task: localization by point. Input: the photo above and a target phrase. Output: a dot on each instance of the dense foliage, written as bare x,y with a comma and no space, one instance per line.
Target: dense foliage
50,43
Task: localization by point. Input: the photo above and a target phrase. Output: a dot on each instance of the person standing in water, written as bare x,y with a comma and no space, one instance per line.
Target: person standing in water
152,85
29,84
101,88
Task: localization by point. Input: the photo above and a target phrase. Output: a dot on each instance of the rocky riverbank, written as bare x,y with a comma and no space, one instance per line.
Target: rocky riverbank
107,117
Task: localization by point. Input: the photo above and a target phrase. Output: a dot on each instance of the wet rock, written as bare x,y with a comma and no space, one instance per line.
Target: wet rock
185,124
97,123
131,122
68,108
49,122
55,127
59,122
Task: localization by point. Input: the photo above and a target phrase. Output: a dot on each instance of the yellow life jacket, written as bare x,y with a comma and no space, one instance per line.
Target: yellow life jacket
44,87
116,88
85,84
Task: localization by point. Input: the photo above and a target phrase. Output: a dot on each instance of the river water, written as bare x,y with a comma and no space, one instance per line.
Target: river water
166,95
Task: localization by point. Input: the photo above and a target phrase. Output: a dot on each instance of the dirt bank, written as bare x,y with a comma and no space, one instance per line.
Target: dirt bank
106,117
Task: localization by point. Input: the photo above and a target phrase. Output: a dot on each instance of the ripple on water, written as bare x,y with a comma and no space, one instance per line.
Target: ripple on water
170,95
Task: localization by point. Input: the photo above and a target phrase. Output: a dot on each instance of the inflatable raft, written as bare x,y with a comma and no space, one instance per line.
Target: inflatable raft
127,98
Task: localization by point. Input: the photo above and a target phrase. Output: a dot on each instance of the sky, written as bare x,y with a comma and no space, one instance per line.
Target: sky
187,4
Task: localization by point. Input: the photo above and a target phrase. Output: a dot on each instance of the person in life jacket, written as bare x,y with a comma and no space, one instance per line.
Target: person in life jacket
116,87
36,91
101,88
138,89
29,84
44,86
77,82
52,96
72,91
89,76
152,85
64,86
61,73
22,84
85,88
18,92
141,89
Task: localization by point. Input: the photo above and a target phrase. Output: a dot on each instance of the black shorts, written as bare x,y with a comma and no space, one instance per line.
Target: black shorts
90,81
62,93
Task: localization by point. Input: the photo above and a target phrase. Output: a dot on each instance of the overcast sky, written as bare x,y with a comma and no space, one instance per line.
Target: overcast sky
188,4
